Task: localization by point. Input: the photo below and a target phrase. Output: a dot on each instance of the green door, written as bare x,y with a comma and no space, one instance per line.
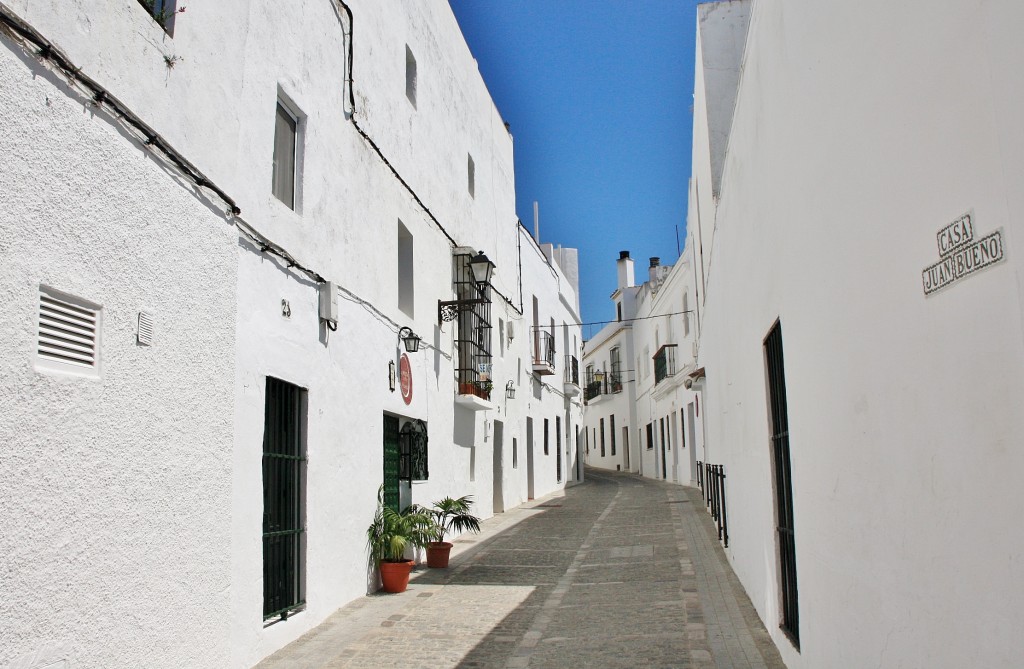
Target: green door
391,462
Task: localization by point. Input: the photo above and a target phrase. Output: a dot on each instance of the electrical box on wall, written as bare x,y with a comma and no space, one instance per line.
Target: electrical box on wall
328,302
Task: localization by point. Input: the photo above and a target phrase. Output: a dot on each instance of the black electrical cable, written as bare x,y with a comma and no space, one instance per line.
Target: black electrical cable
380,154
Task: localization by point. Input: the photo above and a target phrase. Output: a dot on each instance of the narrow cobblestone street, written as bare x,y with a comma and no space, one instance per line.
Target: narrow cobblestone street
617,572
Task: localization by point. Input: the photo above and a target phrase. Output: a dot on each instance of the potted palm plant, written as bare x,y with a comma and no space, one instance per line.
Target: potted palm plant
388,537
448,515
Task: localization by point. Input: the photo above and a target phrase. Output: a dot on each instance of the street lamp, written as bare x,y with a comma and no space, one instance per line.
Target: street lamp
482,269
410,339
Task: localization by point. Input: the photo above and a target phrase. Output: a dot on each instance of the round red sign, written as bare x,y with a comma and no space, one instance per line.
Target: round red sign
405,378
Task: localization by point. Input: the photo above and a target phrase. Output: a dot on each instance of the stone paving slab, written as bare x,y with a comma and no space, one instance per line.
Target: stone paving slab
616,572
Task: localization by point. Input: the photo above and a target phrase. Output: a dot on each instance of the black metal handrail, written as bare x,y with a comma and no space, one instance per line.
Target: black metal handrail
711,480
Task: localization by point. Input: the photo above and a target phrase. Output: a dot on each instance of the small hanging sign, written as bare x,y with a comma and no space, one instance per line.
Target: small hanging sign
405,378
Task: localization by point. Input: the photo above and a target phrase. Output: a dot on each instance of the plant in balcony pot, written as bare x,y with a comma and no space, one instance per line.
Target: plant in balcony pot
390,534
484,389
448,515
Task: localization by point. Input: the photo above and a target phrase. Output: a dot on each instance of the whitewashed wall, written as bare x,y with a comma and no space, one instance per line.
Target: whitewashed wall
211,91
114,533
859,132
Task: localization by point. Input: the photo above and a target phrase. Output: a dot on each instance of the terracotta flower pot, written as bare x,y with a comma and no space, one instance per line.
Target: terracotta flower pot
395,575
438,553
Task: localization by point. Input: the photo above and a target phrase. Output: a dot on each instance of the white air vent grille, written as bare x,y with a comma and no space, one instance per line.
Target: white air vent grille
68,332
145,332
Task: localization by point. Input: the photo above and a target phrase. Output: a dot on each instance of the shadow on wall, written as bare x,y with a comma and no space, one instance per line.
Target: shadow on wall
464,427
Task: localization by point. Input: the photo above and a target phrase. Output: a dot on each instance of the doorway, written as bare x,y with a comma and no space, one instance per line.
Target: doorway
664,465
499,468
692,433
529,459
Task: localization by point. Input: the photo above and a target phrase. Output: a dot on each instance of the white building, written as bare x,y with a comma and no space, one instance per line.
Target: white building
854,207
216,223
641,416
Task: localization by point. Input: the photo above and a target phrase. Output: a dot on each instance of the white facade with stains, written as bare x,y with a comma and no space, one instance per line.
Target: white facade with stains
135,487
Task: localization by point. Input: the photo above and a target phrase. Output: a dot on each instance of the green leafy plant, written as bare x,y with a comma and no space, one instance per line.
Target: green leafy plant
391,532
449,515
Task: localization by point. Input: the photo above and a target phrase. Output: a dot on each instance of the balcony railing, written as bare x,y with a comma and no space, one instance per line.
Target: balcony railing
615,378
664,363
543,352
593,389
572,370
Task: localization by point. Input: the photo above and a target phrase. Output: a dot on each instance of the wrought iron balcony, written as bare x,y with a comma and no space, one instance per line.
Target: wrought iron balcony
593,389
543,352
664,363
615,378
572,376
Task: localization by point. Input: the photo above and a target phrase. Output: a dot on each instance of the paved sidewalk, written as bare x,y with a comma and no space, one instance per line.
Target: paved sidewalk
616,572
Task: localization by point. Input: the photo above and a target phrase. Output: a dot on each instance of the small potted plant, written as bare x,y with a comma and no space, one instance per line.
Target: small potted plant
448,515
390,534
484,389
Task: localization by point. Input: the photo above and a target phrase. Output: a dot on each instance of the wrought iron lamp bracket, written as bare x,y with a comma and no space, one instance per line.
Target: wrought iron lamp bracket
449,311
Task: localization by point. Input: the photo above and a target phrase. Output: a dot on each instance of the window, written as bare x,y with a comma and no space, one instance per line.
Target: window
515,454
650,436
406,285
615,356
612,432
163,12
284,499
545,436
601,423
618,311
286,137
783,483
413,452
69,334
686,314
471,172
410,76
473,338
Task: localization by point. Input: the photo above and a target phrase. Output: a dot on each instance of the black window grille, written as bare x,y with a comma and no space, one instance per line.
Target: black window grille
473,340
779,414
615,378
284,498
664,363
601,423
545,436
412,451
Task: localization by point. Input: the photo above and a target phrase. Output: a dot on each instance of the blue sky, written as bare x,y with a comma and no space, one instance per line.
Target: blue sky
598,96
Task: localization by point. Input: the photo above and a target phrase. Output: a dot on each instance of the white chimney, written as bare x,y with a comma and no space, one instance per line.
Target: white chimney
625,267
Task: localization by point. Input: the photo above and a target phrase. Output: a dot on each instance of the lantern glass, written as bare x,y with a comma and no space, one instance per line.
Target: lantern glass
482,268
